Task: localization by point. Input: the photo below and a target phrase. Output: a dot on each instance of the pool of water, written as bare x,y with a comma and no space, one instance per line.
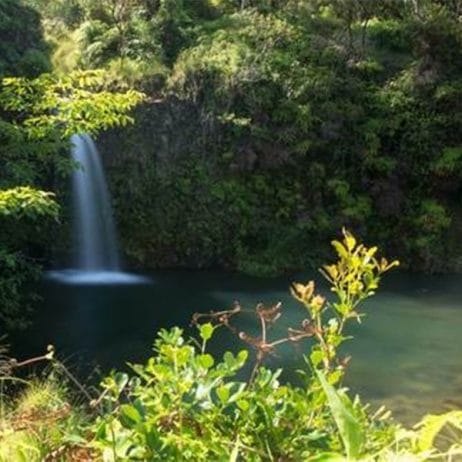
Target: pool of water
406,354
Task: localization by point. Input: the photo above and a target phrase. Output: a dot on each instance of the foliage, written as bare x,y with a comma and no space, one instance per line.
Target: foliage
27,201
269,124
23,50
75,103
38,116
16,297
332,112
272,124
98,34
442,431
40,422
196,236
33,210
353,278
185,404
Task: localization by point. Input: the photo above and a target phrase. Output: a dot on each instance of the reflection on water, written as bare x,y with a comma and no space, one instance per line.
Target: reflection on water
406,354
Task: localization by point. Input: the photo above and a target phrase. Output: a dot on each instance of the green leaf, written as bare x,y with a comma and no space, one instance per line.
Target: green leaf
242,357
243,404
206,361
229,359
341,250
121,379
152,439
206,331
350,241
316,357
130,417
348,426
138,404
223,393
25,201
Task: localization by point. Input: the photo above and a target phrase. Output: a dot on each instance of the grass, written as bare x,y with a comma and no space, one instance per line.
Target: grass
40,424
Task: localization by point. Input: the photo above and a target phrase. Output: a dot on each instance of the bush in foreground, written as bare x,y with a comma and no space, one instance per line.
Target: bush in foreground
185,404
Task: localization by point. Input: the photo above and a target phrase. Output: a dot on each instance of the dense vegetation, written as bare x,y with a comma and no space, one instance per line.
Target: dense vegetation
267,125
36,119
262,127
270,124
184,404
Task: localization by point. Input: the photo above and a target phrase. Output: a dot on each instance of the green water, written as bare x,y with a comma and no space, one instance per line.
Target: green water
406,354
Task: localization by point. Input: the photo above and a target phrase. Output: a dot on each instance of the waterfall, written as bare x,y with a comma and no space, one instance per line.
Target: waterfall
96,256
94,230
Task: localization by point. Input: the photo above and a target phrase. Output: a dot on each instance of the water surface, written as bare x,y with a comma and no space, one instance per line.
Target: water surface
406,354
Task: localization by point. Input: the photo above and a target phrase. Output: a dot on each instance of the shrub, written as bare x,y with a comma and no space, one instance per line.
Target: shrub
184,404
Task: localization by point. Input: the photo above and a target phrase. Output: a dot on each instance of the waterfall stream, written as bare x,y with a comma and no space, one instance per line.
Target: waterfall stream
94,230
96,255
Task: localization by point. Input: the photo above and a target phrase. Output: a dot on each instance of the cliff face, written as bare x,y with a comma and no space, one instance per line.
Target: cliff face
160,171
188,195
266,140
165,131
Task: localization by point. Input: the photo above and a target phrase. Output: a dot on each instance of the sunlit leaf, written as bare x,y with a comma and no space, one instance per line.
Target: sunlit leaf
350,429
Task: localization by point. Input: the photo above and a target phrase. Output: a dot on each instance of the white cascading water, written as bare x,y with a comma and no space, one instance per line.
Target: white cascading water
96,255
94,230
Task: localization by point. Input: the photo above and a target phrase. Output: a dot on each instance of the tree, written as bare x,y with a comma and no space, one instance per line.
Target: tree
37,119
23,50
